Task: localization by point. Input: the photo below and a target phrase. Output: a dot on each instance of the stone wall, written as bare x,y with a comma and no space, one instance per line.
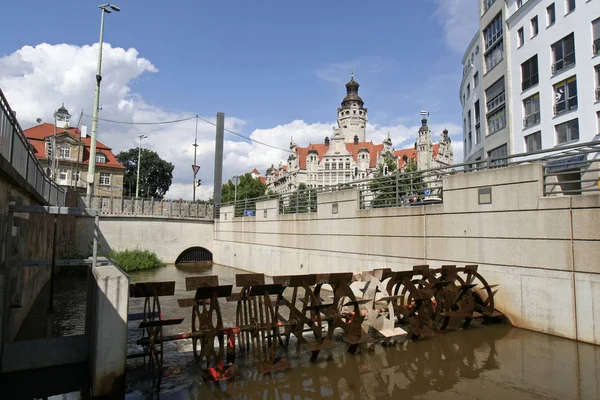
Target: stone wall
543,251
31,239
167,237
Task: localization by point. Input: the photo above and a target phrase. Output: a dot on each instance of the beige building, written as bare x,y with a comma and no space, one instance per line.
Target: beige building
347,156
64,152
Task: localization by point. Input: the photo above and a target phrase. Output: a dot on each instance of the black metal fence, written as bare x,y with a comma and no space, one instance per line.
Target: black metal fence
567,170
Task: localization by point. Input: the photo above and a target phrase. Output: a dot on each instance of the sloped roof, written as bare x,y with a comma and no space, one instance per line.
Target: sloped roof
411,153
38,134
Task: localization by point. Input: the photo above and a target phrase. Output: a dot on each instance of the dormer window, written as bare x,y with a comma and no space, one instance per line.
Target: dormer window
100,158
65,152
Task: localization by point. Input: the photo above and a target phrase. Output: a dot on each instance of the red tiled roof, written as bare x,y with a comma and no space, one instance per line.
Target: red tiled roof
39,133
374,150
321,149
263,179
255,171
411,153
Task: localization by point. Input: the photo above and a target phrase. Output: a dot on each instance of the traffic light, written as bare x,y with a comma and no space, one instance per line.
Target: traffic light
198,182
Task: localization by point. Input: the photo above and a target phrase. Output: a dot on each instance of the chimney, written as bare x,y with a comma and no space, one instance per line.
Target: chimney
355,139
83,131
326,140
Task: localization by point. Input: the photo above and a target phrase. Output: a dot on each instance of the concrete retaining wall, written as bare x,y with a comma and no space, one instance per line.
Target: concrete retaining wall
167,237
542,251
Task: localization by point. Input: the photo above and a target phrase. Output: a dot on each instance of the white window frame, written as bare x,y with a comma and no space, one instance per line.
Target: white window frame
569,99
100,158
550,15
65,152
104,178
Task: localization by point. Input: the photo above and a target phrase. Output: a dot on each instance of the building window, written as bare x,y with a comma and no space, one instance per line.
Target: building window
495,95
75,176
563,53
49,149
534,26
565,95
529,73
62,174
468,90
533,142
477,123
569,6
531,107
598,119
597,74
501,151
347,165
596,37
494,46
493,32
333,166
550,15
487,4
104,178
65,152
470,135
496,120
100,158
475,80
567,131
326,165
520,37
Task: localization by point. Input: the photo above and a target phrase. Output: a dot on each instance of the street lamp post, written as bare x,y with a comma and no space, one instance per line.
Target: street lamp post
195,149
137,185
106,9
235,183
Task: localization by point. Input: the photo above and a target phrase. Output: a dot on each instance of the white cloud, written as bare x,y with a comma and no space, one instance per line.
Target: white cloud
460,20
37,80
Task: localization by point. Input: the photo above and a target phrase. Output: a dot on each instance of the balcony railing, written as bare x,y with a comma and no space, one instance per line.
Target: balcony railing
566,62
569,105
494,57
531,119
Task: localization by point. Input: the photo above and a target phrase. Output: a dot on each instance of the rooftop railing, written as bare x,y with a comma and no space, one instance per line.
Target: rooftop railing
15,149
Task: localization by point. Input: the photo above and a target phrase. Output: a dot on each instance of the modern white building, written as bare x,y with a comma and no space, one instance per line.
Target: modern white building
531,77
555,72
484,96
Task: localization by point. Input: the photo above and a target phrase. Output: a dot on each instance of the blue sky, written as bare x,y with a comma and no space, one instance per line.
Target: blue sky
265,64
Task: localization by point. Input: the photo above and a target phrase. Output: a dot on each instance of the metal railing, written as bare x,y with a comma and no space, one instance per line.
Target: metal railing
564,63
568,170
15,149
131,206
531,119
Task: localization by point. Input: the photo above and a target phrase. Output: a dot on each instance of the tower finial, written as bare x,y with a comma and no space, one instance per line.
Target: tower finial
352,74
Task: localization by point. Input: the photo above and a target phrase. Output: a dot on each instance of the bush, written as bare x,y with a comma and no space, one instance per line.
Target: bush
135,260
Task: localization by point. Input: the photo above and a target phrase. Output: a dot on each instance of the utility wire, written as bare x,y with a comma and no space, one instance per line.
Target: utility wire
190,118
143,123
245,137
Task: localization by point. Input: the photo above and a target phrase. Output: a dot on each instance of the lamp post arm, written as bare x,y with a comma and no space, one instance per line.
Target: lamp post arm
92,161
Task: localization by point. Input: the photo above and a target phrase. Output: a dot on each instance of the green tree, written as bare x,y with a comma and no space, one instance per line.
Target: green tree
302,200
156,174
411,183
383,185
247,188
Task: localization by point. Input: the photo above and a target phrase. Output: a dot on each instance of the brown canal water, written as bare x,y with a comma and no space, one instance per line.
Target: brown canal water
483,362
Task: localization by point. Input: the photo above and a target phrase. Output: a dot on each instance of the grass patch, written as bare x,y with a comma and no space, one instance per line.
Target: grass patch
135,260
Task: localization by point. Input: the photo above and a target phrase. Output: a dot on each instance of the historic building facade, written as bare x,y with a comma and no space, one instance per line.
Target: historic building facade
64,152
347,156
